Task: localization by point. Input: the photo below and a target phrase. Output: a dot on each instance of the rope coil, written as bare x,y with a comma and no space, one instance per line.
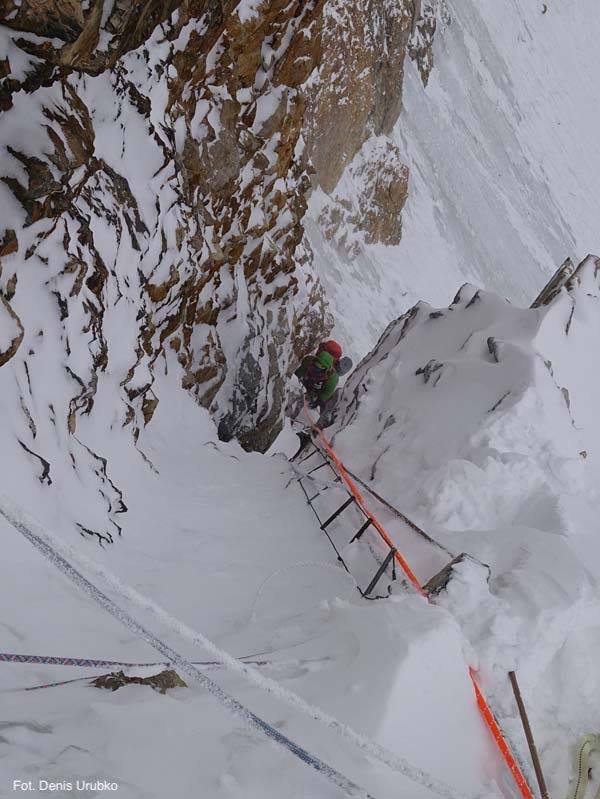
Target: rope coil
581,767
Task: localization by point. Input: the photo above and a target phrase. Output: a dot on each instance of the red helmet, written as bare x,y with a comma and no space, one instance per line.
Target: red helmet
333,348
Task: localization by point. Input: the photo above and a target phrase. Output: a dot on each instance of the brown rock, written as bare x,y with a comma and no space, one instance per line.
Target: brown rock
384,179
305,51
61,19
149,405
11,287
159,682
358,92
9,243
373,205
80,48
9,320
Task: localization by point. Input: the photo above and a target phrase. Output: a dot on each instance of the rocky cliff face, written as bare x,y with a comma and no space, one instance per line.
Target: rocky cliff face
355,99
158,159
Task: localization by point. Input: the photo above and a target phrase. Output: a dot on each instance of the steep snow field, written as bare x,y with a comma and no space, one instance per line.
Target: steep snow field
226,544
504,164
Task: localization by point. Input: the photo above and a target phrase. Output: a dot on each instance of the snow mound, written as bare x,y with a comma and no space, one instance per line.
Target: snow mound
479,421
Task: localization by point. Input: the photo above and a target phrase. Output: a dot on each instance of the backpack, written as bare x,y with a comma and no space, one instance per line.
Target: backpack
344,365
315,377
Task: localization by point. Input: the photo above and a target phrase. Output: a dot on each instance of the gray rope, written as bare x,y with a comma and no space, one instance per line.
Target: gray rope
339,780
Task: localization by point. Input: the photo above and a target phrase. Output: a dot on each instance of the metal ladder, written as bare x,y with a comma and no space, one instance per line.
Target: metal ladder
324,524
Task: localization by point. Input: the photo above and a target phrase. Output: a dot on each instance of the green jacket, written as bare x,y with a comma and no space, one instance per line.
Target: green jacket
330,384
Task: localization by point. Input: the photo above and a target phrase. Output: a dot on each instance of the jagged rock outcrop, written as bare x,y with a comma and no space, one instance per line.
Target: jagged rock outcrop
367,204
11,332
355,100
425,22
357,91
164,177
62,19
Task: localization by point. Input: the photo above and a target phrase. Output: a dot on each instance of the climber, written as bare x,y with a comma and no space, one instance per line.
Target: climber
341,365
320,375
328,408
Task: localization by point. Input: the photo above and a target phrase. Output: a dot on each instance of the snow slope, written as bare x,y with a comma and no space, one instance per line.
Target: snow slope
480,447
214,536
504,165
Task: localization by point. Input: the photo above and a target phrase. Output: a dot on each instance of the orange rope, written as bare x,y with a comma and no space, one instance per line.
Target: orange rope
354,490
494,728
482,704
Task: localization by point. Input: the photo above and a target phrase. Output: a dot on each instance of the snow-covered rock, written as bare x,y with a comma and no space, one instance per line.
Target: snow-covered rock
11,332
159,156
368,201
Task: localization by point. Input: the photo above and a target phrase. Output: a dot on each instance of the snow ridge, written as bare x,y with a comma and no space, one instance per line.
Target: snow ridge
480,421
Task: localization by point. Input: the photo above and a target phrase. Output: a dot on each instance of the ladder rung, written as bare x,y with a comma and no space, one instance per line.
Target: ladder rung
318,494
357,536
316,468
306,457
380,571
333,516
